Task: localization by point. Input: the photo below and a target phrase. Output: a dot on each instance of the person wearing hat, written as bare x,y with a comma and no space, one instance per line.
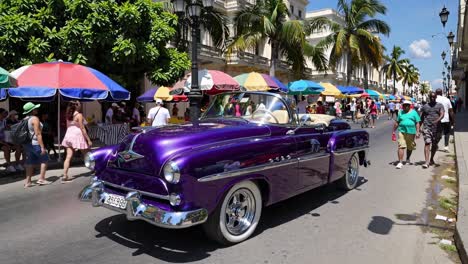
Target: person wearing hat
35,152
158,115
109,119
407,123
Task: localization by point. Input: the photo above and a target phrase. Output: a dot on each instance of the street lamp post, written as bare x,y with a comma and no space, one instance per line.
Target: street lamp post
444,16
193,9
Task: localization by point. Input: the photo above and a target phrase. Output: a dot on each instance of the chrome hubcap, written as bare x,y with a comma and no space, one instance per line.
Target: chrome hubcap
240,211
353,170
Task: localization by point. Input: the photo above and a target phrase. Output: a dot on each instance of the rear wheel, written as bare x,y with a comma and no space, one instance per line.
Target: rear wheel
351,177
236,218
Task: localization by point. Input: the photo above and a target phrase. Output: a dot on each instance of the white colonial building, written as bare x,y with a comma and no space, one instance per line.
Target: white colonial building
460,54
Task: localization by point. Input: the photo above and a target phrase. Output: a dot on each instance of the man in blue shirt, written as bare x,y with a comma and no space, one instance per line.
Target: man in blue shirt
391,109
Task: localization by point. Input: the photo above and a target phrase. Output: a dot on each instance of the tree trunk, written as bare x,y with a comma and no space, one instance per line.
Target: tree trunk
366,77
349,69
386,83
273,57
394,82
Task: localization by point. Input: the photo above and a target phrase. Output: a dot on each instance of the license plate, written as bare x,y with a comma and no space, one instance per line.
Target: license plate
116,201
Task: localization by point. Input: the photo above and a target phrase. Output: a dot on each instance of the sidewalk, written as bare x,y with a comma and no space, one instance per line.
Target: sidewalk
461,151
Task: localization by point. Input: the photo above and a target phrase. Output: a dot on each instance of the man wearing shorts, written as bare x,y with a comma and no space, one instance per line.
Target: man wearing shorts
431,115
407,124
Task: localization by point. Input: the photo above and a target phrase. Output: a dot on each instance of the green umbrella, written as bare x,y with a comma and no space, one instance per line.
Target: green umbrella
6,80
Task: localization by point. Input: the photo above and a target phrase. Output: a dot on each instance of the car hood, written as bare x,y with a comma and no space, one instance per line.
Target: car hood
157,145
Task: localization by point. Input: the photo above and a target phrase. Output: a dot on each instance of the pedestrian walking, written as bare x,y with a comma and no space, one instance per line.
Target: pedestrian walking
352,108
373,113
382,107
338,111
448,120
159,115
431,115
407,123
76,137
35,151
301,106
391,109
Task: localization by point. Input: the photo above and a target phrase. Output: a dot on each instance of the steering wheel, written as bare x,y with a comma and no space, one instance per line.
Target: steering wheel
266,112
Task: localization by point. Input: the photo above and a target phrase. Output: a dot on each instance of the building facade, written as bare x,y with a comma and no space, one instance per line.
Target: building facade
460,54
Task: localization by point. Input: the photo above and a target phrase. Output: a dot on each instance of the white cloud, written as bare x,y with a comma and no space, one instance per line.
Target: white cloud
420,49
437,83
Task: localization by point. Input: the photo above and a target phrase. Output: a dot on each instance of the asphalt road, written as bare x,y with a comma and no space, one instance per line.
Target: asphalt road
48,224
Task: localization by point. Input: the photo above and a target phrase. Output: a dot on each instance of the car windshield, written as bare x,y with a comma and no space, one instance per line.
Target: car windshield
252,107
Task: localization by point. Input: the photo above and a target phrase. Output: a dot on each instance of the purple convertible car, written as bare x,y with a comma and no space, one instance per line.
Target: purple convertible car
249,150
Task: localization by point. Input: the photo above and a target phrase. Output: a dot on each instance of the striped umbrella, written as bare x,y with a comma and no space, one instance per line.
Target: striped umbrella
72,81
255,81
161,92
213,82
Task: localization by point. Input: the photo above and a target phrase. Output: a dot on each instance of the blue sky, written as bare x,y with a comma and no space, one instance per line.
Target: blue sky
412,21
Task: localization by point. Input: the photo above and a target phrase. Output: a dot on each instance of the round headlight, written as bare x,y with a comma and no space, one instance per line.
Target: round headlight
174,199
89,161
171,172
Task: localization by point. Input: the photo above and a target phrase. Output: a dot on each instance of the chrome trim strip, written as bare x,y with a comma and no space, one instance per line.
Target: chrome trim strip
137,210
229,174
313,157
349,150
157,196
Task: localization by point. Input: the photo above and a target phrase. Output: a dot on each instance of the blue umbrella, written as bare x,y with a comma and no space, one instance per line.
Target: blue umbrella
350,90
305,87
148,96
372,93
282,88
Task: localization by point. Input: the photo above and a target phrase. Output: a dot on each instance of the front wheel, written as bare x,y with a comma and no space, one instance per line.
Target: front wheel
351,177
236,218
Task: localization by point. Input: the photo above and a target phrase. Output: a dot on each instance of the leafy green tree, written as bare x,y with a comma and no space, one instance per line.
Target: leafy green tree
354,40
125,39
395,66
267,22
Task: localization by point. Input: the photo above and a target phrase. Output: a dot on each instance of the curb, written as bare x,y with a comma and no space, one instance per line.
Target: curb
461,227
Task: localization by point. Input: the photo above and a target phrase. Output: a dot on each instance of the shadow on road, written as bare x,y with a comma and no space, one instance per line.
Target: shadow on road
382,225
187,245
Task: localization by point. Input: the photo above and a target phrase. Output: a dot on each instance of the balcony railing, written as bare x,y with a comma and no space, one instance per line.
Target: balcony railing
209,51
248,58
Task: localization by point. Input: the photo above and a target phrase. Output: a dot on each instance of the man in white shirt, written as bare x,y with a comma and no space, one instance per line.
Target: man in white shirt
302,106
158,116
352,108
448,116
110,113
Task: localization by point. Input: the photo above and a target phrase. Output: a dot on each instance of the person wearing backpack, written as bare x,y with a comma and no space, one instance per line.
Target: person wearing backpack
34,150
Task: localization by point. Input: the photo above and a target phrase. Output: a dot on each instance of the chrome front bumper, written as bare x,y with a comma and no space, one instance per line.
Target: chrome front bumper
138,210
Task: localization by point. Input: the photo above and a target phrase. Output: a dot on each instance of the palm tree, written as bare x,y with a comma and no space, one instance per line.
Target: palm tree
395,66
211,20
266,21
410,76
424,88
354,40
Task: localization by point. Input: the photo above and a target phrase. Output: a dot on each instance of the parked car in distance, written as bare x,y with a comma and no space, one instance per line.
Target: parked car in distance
249,150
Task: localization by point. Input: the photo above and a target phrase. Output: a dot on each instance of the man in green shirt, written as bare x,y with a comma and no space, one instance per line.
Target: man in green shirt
407,124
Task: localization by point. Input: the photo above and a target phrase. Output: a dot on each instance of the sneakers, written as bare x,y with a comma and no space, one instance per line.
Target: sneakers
408,162
425,166
11,169
446,149
19,167
399,166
